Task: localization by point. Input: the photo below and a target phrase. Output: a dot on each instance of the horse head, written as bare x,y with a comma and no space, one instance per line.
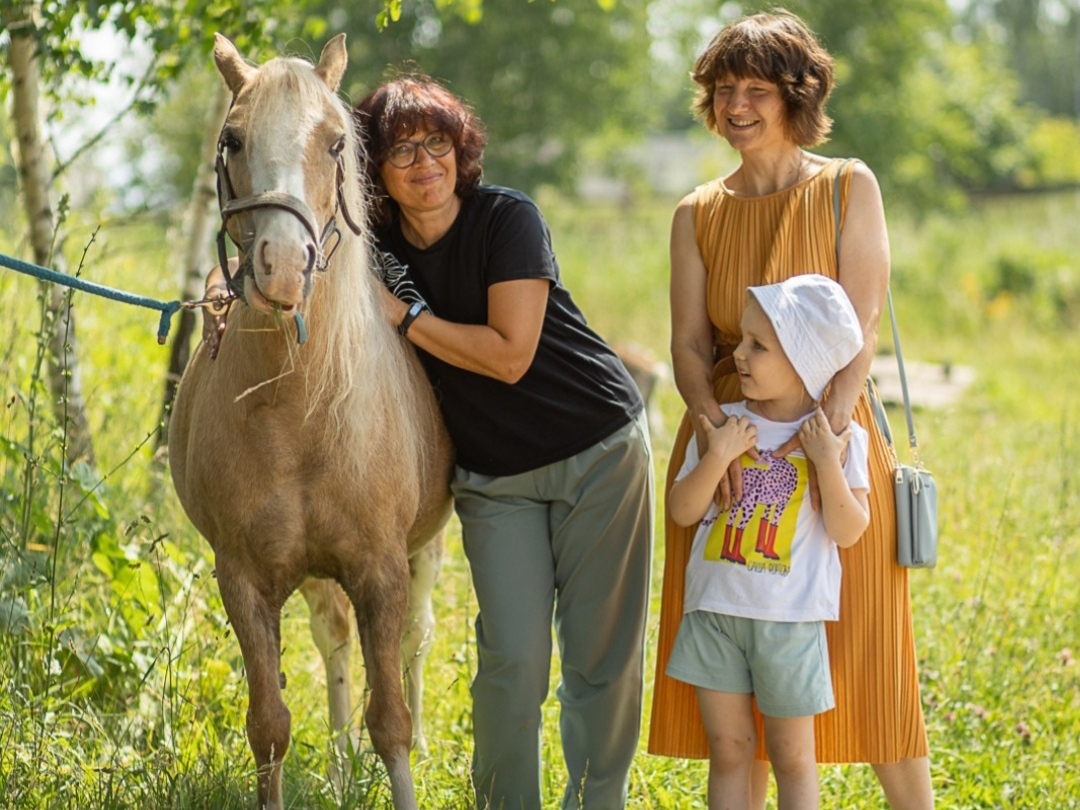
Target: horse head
284,153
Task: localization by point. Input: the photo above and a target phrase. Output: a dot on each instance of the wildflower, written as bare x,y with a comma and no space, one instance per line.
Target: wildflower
1024,732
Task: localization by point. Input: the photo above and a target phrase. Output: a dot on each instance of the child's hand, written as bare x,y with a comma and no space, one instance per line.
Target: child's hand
730,440
820,444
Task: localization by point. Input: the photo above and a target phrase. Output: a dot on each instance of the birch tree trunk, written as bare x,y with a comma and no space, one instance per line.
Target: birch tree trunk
65,382
198,224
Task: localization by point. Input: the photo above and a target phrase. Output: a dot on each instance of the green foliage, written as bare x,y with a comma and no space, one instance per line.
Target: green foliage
1011,262
938,98
175,32
1055,153
8,177
975,126
542,75
929,94
174,133
1040,43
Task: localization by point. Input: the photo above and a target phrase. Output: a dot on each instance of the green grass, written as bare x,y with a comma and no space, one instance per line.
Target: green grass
122,687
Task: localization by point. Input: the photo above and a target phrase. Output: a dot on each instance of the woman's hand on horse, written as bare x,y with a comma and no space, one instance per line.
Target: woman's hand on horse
217,295
394,308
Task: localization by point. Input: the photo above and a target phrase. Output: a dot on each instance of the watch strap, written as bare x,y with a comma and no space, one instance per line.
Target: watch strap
414,312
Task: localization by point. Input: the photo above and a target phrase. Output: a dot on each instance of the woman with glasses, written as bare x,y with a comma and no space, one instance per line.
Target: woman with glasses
553,484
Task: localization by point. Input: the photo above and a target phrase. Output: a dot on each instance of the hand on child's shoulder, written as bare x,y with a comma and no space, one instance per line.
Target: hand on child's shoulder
818,441
731,439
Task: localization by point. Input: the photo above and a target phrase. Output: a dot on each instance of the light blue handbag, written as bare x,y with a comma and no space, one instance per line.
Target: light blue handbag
916,491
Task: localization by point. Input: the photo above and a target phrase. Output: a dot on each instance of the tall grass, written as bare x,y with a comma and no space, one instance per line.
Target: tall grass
121,685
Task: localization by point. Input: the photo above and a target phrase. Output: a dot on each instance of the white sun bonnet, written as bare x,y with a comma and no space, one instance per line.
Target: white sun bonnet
816,325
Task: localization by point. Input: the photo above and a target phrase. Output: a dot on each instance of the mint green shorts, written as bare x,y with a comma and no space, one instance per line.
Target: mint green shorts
784,664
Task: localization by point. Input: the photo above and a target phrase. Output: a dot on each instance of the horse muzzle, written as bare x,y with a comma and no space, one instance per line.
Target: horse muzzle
281,268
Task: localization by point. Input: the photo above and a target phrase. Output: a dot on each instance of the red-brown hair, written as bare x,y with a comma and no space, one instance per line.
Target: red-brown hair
398,108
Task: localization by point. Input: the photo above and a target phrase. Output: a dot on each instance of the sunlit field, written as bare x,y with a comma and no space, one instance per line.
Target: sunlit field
121,685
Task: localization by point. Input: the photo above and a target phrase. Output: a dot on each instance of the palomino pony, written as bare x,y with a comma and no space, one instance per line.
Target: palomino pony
327,459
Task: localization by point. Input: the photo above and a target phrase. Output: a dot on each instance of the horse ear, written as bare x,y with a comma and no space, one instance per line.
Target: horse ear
332,62
230,64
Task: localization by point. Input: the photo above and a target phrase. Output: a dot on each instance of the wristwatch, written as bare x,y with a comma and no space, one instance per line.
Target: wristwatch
414,311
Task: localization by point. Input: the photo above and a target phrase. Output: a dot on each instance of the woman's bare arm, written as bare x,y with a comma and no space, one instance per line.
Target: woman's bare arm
502,348
864,275
691,330
692,339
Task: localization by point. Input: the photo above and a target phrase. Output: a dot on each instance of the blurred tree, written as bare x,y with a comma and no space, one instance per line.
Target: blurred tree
8,177
935,107
1041,40
880,50
58,332
981,133
544,76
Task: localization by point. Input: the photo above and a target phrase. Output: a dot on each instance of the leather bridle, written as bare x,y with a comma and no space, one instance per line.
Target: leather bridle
230,205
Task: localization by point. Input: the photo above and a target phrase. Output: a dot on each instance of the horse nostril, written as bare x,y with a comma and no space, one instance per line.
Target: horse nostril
264,257
310,259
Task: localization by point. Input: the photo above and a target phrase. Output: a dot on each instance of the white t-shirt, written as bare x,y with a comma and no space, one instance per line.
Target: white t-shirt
769,557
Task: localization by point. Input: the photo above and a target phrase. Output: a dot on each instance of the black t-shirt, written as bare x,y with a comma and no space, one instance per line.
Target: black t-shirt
575,393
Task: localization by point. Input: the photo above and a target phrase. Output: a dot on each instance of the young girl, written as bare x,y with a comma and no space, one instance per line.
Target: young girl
764,576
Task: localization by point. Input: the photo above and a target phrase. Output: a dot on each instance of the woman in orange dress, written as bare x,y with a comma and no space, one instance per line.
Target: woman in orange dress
764,81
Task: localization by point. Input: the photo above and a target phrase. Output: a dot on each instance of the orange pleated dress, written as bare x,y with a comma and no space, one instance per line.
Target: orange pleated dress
878,716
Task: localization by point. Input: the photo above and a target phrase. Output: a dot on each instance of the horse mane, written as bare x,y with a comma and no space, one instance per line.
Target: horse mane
365,381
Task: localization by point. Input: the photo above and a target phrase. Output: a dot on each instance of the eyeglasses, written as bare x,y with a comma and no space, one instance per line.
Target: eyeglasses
403,154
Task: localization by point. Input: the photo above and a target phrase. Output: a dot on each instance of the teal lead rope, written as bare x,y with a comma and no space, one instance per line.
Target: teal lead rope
166,308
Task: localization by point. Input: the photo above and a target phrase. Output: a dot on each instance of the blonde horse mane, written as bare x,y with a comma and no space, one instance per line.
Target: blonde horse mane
357,368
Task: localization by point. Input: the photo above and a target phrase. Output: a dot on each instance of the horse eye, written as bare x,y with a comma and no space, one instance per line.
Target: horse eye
230,142
338,147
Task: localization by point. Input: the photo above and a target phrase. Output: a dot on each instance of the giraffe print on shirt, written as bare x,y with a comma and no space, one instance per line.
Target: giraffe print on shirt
769,483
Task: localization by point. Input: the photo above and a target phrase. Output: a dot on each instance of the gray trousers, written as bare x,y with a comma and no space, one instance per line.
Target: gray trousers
573,538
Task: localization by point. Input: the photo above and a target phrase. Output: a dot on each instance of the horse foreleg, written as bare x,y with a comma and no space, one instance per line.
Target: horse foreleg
257,625
424,567
380,595
328,607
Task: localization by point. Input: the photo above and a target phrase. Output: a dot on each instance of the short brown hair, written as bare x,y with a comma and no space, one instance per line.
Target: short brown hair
397,109
777,47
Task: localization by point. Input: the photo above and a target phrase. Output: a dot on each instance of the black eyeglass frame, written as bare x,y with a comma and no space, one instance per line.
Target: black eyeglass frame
414,149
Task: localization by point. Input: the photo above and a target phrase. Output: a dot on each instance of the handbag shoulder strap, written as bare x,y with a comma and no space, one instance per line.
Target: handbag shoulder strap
913,442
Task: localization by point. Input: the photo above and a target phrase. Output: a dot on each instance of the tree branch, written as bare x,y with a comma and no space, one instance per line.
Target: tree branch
143,83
